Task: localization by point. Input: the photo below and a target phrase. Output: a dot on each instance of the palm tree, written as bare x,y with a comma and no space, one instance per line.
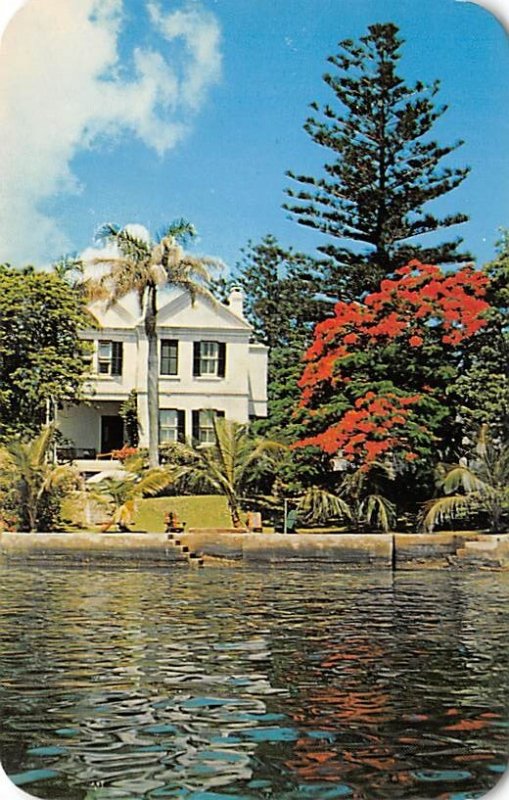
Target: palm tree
354,503
36,483
123,493
70,270
143,267
227,464
484,485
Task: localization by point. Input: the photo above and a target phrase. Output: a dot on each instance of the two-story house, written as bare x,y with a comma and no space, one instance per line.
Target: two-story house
208,365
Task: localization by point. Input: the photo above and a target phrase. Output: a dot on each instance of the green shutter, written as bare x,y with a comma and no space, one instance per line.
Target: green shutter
181,423
221,366
116,358
196,359
196,425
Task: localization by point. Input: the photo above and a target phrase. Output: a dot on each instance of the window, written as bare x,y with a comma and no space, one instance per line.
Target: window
109,358
203,425
169,357
209,359
171,425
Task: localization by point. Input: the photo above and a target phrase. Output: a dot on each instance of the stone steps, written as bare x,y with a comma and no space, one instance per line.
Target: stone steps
192,558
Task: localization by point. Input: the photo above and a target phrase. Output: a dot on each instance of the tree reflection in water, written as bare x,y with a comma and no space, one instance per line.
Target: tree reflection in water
237,683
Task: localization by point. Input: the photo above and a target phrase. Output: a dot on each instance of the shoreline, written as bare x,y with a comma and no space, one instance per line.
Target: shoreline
224,547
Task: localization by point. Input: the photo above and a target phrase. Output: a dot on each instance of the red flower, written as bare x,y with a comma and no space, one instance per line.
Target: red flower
415,341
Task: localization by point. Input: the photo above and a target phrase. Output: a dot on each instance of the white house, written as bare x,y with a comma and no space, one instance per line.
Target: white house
208,365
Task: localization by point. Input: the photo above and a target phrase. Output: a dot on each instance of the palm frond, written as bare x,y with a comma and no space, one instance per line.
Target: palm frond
131,246
464,478
153,482
179,229
38,449
320,505
446,508
375,508
61,476
106,232
124,514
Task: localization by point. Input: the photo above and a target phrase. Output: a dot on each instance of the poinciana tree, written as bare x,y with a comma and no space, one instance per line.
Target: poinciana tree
375,384
144,267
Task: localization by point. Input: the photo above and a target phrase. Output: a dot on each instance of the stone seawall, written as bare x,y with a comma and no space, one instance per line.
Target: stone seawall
349,550
97,548
457,550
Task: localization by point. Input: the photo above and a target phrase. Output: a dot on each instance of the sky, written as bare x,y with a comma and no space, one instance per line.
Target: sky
143,111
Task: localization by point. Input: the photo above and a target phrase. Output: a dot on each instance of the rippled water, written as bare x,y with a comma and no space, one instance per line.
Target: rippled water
224,684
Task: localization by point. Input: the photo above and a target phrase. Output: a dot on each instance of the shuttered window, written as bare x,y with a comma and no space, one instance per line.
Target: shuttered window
169,357
203,425
209,359
171,425
110,358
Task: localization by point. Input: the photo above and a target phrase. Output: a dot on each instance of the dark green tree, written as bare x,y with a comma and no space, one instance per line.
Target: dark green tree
383,168
281,289
43,361
481,391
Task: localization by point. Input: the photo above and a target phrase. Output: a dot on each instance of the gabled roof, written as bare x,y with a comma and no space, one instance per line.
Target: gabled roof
124,314
175,310
179,312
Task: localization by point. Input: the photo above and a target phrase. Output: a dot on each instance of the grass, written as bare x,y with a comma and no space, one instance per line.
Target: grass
197,511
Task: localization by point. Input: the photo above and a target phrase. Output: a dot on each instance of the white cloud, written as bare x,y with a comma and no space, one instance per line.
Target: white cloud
61,88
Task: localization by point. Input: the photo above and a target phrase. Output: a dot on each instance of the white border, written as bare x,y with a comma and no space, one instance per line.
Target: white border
500,9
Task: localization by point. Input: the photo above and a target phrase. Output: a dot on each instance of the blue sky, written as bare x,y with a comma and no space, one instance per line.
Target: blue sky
146,111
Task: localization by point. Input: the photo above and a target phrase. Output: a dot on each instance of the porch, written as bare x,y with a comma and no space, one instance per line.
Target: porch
90,433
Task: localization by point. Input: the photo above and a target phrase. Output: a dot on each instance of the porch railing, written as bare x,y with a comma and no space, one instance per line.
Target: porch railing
75,453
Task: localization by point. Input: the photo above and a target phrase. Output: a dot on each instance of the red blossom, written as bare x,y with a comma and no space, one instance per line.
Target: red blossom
420,303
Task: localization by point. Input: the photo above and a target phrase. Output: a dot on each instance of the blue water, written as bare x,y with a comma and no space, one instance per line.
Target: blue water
233,684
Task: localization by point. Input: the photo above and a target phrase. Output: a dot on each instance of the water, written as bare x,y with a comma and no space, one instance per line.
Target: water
226,684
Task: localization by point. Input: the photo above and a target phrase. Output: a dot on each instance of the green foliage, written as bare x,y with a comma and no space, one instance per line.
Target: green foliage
43,361
31,488
227,466
481,390
357,502
383,170
280,288
481,485
129,413
121,494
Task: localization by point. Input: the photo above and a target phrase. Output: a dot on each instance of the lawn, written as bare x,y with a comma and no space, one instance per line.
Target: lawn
197,511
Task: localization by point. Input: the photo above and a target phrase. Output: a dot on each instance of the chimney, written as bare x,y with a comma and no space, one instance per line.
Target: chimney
236,301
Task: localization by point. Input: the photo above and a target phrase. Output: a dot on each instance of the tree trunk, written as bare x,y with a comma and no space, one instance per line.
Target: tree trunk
152,378
234,513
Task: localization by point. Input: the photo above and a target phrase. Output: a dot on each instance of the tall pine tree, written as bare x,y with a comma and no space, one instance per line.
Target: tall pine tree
383,171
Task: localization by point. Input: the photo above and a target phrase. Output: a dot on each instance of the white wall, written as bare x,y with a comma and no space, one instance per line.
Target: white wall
240,394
